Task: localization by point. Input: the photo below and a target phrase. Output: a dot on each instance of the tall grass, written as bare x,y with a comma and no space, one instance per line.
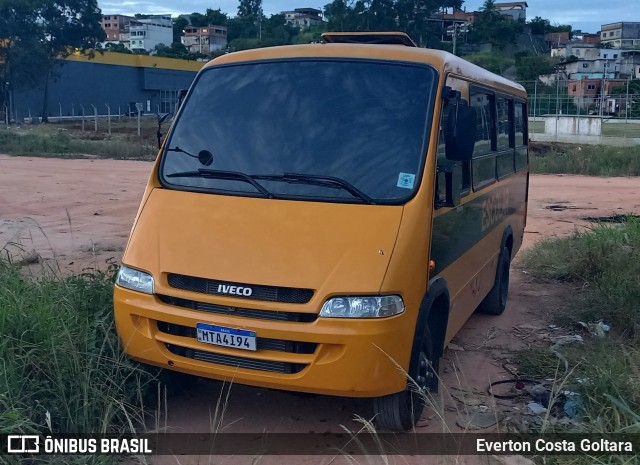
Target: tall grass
605,263
59,142
603,266
62,369
590,160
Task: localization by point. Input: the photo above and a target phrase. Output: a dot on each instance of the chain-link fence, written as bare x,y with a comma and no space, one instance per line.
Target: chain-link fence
587,110
19,112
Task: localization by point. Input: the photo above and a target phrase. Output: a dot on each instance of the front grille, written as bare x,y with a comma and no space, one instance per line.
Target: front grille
238,311
267,293
262,343
233,361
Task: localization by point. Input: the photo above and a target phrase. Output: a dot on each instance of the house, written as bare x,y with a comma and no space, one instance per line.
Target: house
587,93
515,10
303,18
621,35
206,39
583,68
451,23
556,39
630,64
579,36
576,50
145,34
114,26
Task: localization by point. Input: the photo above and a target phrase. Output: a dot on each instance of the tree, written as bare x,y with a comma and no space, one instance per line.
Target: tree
494,28
530,66
216,17
250,8
67,26
178,26
42,33
117,48
539,26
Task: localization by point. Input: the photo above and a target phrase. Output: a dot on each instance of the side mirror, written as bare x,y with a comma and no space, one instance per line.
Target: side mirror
182,93
162,119
460,133
452,181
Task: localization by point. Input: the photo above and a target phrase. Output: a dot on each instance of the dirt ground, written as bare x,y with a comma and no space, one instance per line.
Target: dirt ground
68,215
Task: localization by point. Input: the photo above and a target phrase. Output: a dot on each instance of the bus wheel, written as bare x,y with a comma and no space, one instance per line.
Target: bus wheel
401,411
496,301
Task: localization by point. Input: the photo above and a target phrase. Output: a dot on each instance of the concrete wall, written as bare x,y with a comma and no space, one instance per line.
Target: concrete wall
573,125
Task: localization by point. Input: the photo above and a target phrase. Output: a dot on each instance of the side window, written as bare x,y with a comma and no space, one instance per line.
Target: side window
506,140
483,165
521,135
504,124
483,104
444,162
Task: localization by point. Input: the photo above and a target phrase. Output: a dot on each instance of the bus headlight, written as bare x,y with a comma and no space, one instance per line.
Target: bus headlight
135,280
362,307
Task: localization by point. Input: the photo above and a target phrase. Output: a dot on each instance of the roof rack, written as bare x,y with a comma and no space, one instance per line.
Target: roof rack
376,38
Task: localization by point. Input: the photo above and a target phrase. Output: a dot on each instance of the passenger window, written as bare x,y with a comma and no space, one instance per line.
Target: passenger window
483,165
505,160
483,104
521,136
504,124
443,162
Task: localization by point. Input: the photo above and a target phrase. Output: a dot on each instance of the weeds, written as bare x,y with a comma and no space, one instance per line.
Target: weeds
53,141
62,367
591,160
603,264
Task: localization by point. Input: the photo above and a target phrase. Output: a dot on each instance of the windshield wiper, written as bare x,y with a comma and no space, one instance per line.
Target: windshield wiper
320,180
219,174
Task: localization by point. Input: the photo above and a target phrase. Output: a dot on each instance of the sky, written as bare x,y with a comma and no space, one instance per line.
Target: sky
587,15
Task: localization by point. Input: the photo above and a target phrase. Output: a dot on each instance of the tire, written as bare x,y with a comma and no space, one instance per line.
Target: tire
496,300
401,411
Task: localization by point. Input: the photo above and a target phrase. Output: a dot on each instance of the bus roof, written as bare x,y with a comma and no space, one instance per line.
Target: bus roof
443,61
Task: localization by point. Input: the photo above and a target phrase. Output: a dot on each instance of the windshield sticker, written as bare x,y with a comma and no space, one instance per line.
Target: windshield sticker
406,180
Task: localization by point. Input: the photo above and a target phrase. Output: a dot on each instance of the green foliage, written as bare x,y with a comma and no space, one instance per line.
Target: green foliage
117,48
50,141
602,265
529,66
590,160
62,366
605,263
495,62
250,8
179,24
41,32
494,28
176,50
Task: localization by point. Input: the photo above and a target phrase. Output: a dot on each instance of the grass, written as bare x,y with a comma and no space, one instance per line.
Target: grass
590,160
62,367
603,266
68,140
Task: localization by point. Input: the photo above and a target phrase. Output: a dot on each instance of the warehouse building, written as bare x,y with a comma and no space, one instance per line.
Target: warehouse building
115,82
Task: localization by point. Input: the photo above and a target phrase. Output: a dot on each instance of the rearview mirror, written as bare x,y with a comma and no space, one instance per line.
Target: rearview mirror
182,93
460,133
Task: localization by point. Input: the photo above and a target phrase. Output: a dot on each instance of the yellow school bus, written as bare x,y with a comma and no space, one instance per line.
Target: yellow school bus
324,218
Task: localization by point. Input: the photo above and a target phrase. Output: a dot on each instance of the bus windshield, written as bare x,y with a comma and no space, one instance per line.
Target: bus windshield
341,131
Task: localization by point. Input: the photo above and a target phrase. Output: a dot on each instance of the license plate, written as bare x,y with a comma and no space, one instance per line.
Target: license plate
227,337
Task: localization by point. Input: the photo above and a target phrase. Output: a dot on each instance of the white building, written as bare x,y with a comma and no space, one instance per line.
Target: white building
145,34
303,18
